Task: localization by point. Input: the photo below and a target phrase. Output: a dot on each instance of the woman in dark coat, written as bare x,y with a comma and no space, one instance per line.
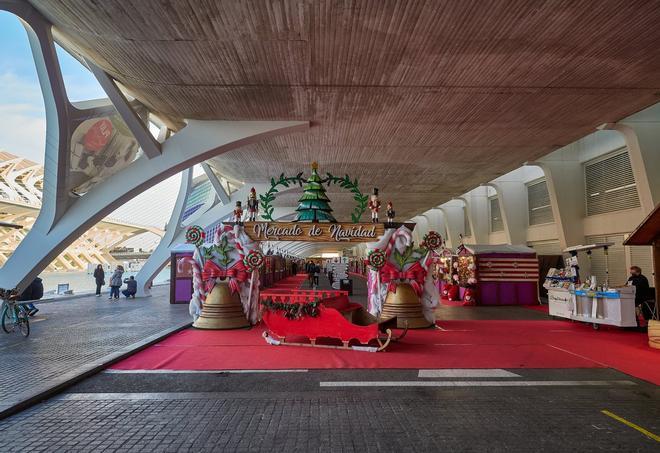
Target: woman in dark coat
99,276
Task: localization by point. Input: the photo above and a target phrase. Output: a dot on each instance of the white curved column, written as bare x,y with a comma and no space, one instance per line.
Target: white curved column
161,254
512,198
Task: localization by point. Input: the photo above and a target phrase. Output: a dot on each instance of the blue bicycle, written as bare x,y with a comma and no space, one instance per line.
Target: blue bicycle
14,317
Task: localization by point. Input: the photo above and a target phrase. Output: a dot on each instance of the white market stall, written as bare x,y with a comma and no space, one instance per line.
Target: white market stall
587,301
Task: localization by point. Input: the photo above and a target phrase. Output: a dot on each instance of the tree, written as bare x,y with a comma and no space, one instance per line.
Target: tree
314,204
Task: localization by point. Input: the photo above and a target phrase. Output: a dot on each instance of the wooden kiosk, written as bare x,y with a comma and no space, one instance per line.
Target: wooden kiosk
648,233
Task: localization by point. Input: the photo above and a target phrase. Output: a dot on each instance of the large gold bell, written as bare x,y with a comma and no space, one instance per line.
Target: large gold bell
222,310
406,306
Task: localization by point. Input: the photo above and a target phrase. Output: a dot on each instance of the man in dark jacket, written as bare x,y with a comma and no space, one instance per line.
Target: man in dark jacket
641,284
131,287
34,291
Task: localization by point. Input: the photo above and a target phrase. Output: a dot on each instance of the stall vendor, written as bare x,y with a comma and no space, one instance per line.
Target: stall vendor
641,284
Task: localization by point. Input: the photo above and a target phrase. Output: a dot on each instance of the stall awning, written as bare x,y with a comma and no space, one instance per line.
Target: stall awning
648,231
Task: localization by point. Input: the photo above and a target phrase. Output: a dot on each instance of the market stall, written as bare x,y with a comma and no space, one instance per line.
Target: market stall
181,274
498,274
571,297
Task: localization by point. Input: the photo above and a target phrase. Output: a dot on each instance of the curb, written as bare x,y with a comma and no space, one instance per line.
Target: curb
30,398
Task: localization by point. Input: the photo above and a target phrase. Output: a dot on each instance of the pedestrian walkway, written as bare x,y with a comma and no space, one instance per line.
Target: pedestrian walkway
71,338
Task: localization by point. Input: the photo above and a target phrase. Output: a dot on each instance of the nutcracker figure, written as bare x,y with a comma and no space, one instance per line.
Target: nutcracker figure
390,212
238,212
253,206
374,205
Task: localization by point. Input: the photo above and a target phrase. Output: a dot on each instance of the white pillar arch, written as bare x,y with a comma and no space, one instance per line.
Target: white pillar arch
452,212
175,232
478,213
512,198
161,254
564,178
64,218
470,225
421,228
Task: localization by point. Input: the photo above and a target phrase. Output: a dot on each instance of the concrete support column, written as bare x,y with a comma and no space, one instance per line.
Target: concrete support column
421,228
564,178
436,222
477,206
512,197
453,215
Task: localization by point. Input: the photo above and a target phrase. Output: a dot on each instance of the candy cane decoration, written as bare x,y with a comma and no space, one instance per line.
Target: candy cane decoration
401,232
198,283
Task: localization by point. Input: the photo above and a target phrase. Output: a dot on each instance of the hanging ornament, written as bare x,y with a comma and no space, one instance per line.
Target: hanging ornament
432,240
376,259
195,235
253,260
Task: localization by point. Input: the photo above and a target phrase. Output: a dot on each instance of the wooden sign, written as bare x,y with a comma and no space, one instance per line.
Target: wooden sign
314,232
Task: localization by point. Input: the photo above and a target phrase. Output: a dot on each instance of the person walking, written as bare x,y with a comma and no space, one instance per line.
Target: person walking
317,272
116,282
99,277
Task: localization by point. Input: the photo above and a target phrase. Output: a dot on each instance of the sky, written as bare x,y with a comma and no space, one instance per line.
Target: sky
23,122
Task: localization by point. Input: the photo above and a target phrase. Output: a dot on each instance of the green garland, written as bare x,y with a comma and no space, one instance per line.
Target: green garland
266,200
294,310
346,183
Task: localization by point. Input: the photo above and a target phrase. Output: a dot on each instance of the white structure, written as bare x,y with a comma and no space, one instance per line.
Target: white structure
21,182
66,215
596,189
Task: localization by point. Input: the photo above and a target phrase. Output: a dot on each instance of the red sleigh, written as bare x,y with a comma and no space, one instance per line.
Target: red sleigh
336,317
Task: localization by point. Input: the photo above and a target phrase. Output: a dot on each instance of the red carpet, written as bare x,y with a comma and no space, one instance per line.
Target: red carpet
462,344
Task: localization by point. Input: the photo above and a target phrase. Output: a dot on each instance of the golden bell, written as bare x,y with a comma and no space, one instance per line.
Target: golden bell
222,310
406,306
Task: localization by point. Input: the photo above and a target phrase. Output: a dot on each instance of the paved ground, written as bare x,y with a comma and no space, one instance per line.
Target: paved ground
71,337
281,412
344,411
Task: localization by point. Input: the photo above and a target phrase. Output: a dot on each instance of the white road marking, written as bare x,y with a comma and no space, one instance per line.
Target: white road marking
467,373
111,371
473,383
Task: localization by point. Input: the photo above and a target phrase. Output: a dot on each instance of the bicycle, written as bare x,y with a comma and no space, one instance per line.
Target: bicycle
14,317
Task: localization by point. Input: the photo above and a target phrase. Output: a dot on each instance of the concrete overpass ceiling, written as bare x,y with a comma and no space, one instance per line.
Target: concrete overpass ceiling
423,99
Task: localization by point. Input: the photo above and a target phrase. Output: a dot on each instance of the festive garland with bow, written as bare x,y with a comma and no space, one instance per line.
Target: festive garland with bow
293,310
360,199
266,200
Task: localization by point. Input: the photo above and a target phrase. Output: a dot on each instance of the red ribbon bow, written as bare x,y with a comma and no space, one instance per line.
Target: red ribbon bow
236,274
415,273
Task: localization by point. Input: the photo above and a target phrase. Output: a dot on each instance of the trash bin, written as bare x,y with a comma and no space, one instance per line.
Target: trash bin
346,284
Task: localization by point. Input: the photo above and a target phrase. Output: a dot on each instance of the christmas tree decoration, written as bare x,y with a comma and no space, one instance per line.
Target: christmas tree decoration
252,205
195,235
314,205
266,200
